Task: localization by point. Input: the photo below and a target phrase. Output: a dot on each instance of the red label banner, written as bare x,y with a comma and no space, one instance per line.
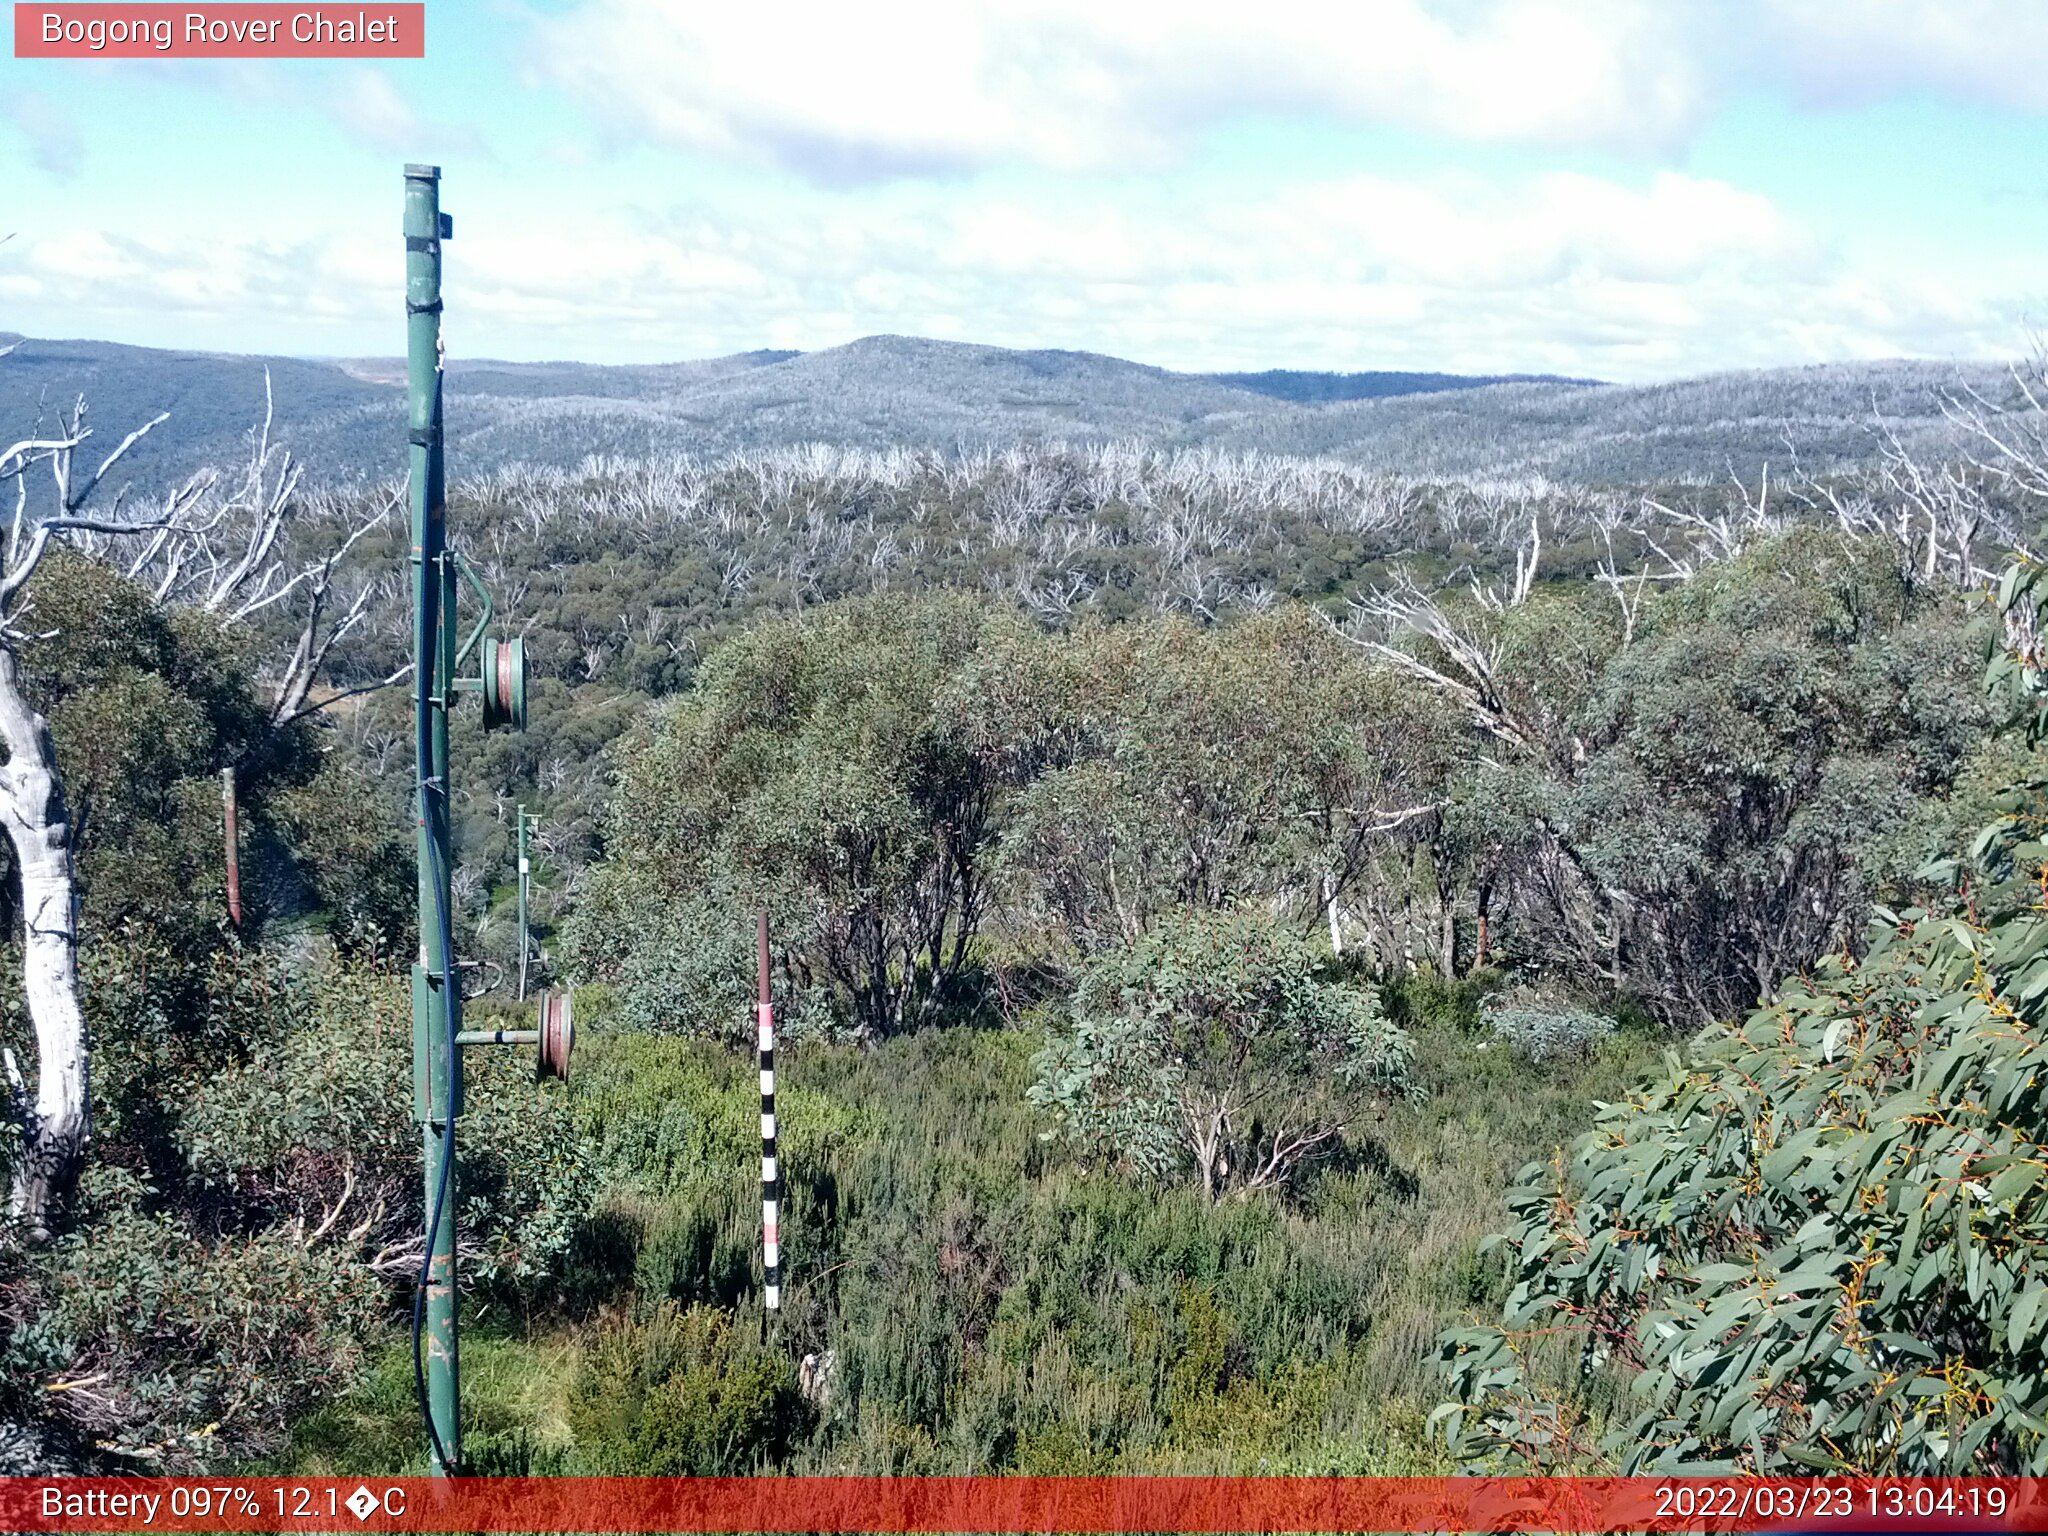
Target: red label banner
1052,1504
371,30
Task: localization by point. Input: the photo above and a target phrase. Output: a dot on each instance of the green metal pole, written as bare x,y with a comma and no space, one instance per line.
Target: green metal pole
437,1067
525,939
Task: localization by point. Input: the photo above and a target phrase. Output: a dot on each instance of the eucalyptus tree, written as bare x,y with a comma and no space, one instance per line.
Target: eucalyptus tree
1210,1045
1260,760
259,551
225,551
1707,778
825,766
1820,1240
56,1121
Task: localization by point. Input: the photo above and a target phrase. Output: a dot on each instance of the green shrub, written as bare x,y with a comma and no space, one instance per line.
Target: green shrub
991,1307
316,1130
678,1394
1821,1239
162,1023
686,966
1423,999
147,1347
1820,1242
1544,1024
1211,1043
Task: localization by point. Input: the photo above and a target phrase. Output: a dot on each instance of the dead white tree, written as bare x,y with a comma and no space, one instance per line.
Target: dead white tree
55,1122
1469,668
2008,440
1629,587
240,551
1528,555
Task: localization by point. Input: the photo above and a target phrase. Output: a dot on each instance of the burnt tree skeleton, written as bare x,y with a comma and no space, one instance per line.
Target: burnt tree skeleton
231,553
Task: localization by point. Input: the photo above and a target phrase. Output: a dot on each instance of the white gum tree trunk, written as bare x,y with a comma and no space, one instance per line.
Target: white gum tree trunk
56,1120
55,1125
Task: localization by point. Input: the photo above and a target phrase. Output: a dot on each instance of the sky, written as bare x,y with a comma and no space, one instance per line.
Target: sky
1628,191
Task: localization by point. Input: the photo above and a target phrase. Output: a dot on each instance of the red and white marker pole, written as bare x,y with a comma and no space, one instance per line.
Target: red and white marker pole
771,1175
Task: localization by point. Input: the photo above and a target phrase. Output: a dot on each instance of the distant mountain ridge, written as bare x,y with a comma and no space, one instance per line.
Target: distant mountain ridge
1320,388
343,416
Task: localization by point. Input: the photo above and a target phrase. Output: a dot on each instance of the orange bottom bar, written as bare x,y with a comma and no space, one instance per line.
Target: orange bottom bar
1051,1504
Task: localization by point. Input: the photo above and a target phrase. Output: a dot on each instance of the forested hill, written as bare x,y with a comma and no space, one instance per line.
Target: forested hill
342,416
1312,388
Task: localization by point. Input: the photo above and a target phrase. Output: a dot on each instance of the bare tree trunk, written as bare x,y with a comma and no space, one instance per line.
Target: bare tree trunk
1206,1140
54,1130
1485,947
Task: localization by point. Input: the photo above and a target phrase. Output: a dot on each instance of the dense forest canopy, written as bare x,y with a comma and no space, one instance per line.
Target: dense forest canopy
1819,1241
1199,879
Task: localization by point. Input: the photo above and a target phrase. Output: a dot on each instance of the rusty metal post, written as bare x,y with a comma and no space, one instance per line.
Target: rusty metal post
231,832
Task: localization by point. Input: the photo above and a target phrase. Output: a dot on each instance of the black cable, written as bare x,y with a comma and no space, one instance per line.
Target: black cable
423,701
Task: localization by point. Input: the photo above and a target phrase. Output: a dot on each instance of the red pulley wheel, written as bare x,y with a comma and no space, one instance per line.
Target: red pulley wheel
557,1034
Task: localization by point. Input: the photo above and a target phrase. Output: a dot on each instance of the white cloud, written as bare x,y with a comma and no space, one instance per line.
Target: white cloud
372,110
108,281
365,102
840,92
846,92
1987,51
55,141
1647,272
1565,273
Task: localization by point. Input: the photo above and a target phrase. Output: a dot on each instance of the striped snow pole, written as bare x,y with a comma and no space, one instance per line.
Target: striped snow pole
771,1176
